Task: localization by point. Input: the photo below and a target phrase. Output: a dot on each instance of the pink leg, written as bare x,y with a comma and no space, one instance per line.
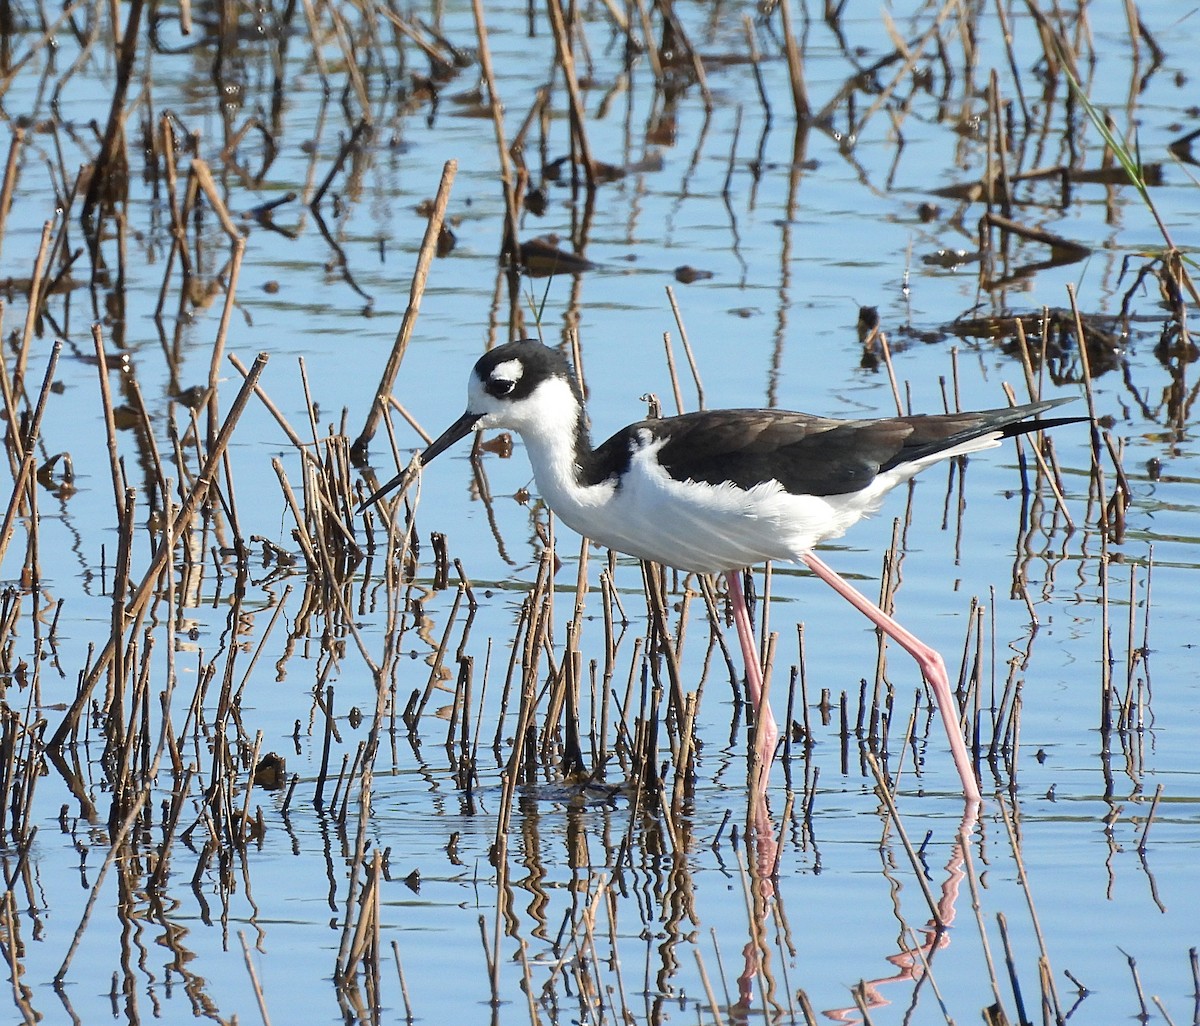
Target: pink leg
768,732
764,847
930,662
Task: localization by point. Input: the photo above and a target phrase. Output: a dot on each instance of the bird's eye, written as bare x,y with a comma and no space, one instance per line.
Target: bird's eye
500,387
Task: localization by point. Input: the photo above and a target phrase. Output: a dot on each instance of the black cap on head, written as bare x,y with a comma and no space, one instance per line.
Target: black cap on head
538,363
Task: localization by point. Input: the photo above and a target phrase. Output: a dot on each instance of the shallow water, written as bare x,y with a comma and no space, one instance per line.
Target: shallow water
605,910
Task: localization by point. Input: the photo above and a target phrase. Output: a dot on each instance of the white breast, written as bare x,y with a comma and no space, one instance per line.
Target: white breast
694,526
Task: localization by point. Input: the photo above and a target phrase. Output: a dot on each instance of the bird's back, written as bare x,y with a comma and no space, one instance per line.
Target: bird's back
722,489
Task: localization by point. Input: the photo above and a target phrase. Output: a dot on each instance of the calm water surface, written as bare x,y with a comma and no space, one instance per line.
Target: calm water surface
792,256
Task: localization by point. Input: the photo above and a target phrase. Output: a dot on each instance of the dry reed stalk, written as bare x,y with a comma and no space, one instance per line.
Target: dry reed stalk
242,834
162,554
361,928
27,447
120,835
235,266
800,104
756,64
886,350
255,983
1127,719
303,447
522,627
408,1012
1023,880
350,59
653,57
687,347
114,700
146,436
326,707
441,64
566,61
179,213
509,242
425,257
1010,54
1045,472
11,948
685,758
977,908
1004,721
437,670
717,634
884,791
610,658
1086,369
998,148
654,584
1149,819
713,1007
9,186
36,295
890,580
526,710
674,378
362,128
1162,1009
110,158
1144,1015
204,180
911,56
300,533
764,627
1011,965
460,706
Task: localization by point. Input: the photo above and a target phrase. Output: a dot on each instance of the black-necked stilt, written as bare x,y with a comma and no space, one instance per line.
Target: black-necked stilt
721,490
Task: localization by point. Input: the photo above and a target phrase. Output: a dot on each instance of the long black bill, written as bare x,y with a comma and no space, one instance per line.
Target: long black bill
459,429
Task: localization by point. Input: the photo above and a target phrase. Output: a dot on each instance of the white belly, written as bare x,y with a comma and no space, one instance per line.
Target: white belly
700,527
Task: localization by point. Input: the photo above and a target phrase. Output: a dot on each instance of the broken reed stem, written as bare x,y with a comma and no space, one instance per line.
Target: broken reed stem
884,791
110,423
29,458
437,218
204,179
566,60
886,350
675,391
107,164
795,65
510,243
255,983
214,366
1023,879
687,347
36,284
977,908
1046,473
1149,819
118,843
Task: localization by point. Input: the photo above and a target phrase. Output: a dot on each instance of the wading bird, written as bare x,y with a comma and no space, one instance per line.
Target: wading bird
721,490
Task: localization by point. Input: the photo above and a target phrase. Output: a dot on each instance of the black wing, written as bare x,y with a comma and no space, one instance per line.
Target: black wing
806,454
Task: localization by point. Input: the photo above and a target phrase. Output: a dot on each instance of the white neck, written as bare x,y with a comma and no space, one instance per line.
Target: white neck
548,422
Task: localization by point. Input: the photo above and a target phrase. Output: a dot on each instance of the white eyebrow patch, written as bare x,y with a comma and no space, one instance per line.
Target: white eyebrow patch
509,370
